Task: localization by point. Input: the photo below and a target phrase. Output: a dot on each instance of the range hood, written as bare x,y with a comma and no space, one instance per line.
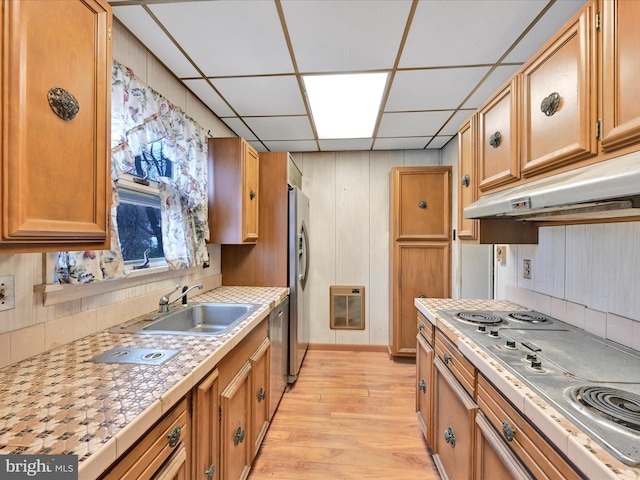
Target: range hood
605,190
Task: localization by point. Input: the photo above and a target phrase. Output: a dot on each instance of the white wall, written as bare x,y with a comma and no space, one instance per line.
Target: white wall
349,234
587,275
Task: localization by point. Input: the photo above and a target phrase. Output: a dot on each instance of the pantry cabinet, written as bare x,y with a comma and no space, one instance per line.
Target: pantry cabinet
621,70
233,191
420,246
55,187
559,99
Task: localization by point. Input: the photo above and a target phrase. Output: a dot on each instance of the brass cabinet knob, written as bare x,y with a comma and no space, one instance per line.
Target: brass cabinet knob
550,104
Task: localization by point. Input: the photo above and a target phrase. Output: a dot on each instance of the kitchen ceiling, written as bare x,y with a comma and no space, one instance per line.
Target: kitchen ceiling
244,59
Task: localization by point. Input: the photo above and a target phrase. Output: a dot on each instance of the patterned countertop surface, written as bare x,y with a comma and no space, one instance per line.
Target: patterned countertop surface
595,462
61,403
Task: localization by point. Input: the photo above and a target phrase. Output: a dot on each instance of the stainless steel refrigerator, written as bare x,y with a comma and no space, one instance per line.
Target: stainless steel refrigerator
298,274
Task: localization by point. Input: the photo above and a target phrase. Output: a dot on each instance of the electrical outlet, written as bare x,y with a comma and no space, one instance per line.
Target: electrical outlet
7,293
526,268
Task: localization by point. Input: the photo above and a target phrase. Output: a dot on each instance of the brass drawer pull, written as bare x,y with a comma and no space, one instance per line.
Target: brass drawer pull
494,140
550,104
466,180
174,436
450,437
238,436
422,385
261,394
422,204
507,431
63,103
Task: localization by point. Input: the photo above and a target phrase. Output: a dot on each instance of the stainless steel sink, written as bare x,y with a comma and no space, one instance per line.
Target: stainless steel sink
204,318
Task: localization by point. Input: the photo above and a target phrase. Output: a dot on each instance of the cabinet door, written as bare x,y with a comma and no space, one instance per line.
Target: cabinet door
235,438
468,181
454,419
424,387
560,99
206,428
175,468
260,394
421,269
421,203
55,191
621,70
250,199
493,460
498,139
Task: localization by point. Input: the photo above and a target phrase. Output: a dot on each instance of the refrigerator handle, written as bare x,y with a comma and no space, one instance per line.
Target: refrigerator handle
304,254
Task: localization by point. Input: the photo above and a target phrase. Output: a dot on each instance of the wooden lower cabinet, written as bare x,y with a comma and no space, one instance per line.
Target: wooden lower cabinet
260,379
158,448
235,426
206,430
424,387
493,459
454,413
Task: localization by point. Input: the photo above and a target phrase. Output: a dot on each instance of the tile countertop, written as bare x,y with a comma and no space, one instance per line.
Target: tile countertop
57,402
595,462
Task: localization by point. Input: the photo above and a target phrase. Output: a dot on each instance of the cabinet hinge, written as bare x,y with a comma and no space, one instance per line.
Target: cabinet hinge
598,129
219,413
598,22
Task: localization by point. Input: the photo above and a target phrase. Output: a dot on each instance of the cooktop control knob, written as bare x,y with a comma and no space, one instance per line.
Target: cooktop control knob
482,328
531,356
537,364
511,344
494,334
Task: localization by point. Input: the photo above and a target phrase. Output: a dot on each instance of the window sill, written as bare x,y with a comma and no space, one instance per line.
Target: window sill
55,293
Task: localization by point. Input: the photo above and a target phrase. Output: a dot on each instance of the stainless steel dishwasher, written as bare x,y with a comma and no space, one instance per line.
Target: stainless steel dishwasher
279,336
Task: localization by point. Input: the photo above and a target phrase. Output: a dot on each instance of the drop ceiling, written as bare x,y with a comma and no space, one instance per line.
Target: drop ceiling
244,59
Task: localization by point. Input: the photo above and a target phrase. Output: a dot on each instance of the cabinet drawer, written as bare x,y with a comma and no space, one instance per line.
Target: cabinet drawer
457,364
148,456
530,447
425,328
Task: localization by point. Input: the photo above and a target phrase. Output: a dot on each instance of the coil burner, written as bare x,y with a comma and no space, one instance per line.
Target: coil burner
529,317
617,406
479,318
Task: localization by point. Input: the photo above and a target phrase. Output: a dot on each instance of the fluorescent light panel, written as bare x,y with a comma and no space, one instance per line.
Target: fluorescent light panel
345,106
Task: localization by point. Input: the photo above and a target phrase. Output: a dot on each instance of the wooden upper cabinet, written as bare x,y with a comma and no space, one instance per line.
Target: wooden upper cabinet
498,139
233,191
559,107
55,190
468,181
621,70
421,203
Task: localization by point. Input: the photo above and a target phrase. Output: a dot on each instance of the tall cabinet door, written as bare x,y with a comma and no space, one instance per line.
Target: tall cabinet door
420,247
621,70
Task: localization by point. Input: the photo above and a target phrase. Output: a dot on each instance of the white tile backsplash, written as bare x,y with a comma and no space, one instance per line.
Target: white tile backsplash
595,322
575,314
619,329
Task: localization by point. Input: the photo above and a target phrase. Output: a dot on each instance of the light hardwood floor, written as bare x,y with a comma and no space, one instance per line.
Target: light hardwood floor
349,416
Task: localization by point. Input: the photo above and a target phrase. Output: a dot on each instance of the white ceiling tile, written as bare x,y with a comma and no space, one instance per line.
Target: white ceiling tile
209,97
432,89
258,146
281,128
228,38
142,25
439,141
329,36
340,145
453,124
412,123
254,96
490,28
497,78
292,146
401,143
557,15
240,129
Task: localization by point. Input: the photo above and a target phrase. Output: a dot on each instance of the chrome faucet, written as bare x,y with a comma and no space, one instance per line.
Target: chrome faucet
164,303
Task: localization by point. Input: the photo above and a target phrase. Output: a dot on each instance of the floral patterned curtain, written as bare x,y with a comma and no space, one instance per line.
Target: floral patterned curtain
139,117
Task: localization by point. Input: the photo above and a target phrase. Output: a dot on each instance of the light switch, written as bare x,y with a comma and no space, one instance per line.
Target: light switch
501,253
